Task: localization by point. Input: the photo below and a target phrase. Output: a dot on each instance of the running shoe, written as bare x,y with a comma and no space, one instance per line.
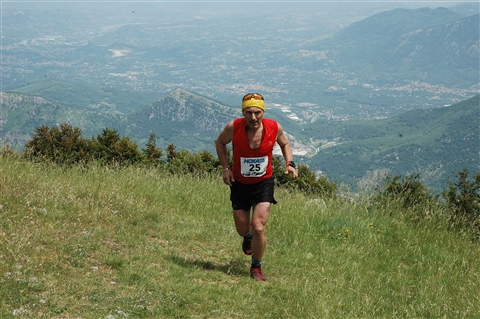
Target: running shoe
257,274
247,246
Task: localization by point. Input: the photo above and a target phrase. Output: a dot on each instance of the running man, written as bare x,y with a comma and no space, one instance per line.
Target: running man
251,177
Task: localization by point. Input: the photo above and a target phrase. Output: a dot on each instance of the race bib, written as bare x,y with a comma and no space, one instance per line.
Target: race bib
253,166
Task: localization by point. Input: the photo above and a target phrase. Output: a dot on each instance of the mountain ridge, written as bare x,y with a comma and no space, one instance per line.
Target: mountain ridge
437,45
182,118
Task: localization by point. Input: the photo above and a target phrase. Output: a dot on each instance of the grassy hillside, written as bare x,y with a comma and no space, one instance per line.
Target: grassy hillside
98,242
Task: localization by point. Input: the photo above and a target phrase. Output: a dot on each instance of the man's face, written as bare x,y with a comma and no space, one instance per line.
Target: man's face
253,115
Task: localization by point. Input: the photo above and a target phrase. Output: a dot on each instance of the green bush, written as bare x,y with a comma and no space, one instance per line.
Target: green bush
65,145
151,152
110,148
61,145
185,162
307,181
463,202
407,195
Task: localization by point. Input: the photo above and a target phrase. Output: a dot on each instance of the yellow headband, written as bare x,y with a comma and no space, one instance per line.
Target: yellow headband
252,102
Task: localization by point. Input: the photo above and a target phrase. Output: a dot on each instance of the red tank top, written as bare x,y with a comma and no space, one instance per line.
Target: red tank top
251,166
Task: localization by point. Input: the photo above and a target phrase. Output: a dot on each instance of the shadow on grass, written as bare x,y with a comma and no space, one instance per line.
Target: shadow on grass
233,267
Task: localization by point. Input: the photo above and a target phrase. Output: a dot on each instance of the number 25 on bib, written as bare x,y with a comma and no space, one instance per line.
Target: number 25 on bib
254,166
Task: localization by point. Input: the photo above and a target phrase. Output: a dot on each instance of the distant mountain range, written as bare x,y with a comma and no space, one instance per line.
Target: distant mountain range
432,45
311,61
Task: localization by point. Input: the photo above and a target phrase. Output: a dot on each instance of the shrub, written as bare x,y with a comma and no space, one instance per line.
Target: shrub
408,193
463,202
306,182
110,148
185,162
171,152
151,151
60,145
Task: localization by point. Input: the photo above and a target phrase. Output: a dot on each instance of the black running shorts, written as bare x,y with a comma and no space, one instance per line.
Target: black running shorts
244,196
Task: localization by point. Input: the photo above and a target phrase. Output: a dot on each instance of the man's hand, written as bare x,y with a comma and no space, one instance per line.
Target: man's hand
228,177
291,170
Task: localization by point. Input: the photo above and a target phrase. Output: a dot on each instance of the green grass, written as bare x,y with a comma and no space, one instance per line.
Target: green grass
134,242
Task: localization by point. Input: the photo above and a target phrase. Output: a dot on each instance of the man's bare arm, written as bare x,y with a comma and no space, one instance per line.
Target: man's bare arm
223,139
287,151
